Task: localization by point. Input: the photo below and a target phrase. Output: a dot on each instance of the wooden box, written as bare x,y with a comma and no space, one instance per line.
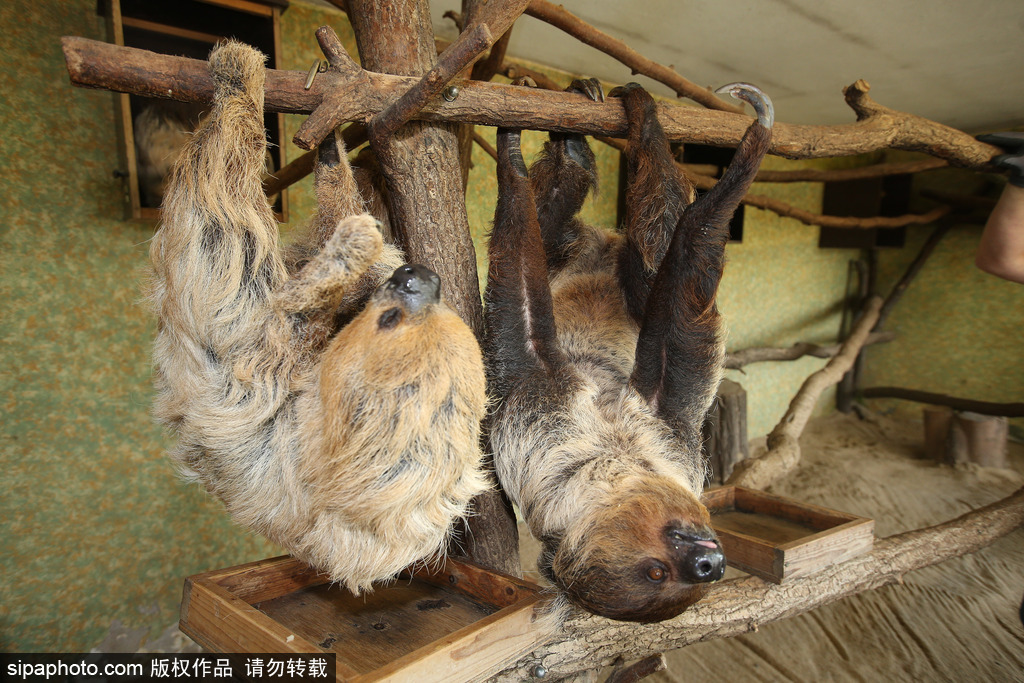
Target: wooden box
780,539
459,622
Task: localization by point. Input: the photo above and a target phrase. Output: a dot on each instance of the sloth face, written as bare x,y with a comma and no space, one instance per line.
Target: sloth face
650,556
411,289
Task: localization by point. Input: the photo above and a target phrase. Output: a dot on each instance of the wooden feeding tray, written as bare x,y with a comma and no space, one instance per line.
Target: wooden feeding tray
458,622
780,539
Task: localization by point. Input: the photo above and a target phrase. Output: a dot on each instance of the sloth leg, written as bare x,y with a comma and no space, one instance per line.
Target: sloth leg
325,278
679,353
215,256
561,178
519,340
337,195
657,193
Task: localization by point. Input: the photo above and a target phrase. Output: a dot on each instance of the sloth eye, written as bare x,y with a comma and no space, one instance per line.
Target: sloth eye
656,573
389,318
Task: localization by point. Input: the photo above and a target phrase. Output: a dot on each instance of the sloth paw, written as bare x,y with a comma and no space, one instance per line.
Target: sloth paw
756,97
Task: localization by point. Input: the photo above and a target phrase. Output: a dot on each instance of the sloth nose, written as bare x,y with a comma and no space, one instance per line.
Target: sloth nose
416,285
702,559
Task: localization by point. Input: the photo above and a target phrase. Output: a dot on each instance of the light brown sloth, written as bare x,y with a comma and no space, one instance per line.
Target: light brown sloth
603,355
325,393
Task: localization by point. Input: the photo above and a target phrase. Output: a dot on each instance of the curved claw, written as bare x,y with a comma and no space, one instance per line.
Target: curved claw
591,87
756,97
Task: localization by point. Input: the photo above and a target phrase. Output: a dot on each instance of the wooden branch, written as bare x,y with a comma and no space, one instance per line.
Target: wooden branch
485,146
739,606
810,218
913,269
846,174
783,452
469,45
94,64
966,404
558,16
738,359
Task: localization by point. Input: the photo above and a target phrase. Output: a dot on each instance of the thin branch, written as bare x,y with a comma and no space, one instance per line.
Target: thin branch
847,174
485,146
94,64
783,452
458,56
558,16
810,218
738,359
739,606
966,404
913,269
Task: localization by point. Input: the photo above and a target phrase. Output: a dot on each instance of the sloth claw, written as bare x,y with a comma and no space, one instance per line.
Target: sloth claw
756,97
591,87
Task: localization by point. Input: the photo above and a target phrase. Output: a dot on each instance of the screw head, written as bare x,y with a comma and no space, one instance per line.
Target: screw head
450,93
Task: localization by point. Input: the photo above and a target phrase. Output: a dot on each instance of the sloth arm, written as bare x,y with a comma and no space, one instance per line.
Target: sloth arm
519,340
657,193
678,358
561,178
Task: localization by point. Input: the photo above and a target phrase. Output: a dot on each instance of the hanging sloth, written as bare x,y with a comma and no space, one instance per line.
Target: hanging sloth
324,393
603,355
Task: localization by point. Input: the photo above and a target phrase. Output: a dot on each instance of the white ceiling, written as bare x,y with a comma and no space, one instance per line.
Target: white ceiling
959,62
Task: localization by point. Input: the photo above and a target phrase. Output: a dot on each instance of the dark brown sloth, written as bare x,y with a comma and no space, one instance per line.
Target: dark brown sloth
603,355
324,394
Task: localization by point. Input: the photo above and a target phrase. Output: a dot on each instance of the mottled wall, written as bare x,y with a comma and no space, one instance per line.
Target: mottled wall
97,529
959,328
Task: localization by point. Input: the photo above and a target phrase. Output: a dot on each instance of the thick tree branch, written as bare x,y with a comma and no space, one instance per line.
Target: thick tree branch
783,452
94,64
739,606
558,16
738,359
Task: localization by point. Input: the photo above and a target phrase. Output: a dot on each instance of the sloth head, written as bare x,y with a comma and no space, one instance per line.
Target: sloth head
649,553
411,289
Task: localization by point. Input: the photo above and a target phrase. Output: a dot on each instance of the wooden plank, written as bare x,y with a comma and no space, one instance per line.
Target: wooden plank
243,6
487,585
124,125
472,653
221,622
266,579
839,544
814,516
168,30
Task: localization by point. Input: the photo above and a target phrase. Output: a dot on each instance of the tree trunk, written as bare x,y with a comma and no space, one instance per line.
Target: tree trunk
421,166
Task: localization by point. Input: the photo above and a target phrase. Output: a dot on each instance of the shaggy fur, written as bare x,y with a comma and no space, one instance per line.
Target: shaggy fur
603,353
332,406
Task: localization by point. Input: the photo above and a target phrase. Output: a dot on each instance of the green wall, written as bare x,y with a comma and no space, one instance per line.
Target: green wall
98,531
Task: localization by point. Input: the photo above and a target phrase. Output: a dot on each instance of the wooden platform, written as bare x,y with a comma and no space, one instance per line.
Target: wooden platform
779,539
458,623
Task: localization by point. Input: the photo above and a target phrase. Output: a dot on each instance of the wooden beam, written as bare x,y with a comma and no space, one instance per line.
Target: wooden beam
93,64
